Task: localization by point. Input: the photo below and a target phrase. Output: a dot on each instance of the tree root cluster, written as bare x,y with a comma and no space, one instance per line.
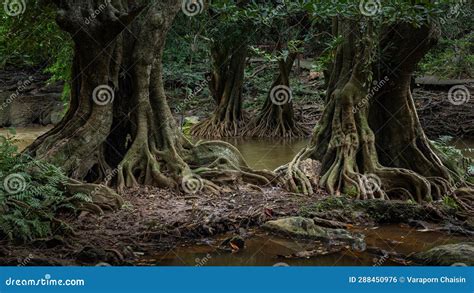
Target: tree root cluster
267,126
215,128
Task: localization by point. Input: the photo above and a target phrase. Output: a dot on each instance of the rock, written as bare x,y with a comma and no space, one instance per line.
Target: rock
91,255
234,244
305,228
447,255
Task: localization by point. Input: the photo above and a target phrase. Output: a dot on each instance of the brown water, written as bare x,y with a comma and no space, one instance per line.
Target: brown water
263,249
268,153
25,136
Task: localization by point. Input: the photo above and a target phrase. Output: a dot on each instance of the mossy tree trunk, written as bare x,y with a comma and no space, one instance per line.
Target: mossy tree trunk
127,134
276,117
227,78
370,143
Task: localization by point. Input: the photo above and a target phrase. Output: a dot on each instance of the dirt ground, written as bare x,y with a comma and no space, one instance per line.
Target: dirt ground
153,220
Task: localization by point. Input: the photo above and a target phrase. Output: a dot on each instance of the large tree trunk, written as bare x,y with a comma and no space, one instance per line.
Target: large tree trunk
389,157
276,117
227,78
129,133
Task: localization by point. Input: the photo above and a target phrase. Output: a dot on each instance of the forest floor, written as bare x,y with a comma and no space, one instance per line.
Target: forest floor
156,220
153,220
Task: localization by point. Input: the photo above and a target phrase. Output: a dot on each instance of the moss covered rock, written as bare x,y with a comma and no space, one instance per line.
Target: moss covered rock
305,228
447,255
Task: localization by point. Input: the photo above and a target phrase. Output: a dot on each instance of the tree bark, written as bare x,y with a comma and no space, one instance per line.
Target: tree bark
276,117
131,138
369,142
227,78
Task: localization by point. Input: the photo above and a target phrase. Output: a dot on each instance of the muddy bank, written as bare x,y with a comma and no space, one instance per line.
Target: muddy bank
156,222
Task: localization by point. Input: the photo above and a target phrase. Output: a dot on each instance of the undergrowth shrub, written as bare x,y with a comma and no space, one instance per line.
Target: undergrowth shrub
32,194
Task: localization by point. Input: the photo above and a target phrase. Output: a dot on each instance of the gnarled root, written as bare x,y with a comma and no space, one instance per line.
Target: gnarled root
103,198
203,167
215,128
267,126
464,197
222,163
293,176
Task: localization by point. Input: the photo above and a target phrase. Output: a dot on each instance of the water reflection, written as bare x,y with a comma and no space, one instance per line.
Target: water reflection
268,153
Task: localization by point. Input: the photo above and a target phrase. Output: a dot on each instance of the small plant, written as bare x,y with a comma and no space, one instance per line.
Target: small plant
31,195
453,156
450,203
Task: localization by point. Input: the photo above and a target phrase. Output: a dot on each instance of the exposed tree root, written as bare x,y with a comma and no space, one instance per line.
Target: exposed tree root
464,197
265,125
222,163
294,177
131,137
213,127
102,197
276,118
396,161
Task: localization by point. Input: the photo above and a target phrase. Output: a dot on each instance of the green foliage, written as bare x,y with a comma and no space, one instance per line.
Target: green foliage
454,157
328,54
34,39
328,204
450,203
31,194
451,58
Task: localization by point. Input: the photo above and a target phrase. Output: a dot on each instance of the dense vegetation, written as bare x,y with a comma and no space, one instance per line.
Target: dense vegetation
32,195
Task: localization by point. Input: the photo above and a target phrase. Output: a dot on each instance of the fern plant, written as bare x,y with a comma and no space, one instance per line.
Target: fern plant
454,157
31,195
